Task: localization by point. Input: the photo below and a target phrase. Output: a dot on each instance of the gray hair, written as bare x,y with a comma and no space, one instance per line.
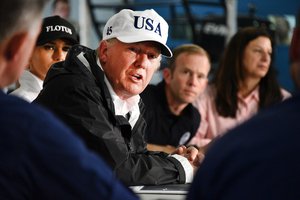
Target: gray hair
18,15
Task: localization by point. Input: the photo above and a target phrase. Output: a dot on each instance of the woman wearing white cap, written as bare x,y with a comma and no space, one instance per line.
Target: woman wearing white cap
56,38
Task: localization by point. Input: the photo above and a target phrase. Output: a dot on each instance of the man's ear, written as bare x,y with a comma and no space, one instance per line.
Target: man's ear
14,46
102,51
167,75
15,52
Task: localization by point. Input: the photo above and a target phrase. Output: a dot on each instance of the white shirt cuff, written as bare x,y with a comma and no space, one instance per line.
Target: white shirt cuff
188,169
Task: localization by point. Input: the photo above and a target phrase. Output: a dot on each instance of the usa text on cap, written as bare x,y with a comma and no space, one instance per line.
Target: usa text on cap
137,26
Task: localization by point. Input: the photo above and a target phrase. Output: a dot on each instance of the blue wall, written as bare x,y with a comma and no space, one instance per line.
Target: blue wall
266,7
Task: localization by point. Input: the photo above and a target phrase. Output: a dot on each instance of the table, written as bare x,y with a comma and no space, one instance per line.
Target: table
162,192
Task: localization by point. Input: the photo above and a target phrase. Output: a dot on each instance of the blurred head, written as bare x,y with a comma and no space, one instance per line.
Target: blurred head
19,28
248,55
61,8
247,59
257,58
130,52
56,38
187,73
294,54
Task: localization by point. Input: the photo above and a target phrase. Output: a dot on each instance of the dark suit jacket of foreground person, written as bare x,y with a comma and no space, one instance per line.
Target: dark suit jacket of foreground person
258,160
75,91
43,159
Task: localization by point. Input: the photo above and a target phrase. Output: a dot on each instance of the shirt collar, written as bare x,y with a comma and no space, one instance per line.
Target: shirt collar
253,95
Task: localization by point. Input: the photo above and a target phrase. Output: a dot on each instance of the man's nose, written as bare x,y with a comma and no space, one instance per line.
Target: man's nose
142,60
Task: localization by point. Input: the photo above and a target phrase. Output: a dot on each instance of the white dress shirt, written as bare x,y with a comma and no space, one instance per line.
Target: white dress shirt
30,86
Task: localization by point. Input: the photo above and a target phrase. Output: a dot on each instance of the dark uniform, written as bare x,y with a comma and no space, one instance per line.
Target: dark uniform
257,160
163,127
42,159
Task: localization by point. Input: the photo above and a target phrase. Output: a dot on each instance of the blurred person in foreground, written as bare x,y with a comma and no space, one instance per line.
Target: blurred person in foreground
294,53
96,93
40,157
171,118
56,38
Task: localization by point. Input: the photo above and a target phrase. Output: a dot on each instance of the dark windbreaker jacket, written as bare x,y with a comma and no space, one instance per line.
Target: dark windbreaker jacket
76,92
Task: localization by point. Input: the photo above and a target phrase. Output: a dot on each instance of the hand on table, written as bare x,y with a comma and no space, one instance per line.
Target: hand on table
194,156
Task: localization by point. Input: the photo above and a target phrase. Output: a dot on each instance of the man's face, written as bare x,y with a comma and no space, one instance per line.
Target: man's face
22,46
45,55
189,77
129,67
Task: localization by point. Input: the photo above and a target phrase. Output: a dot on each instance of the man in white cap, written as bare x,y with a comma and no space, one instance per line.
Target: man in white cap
96,93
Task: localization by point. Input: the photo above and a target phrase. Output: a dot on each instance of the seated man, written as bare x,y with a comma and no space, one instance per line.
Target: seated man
40,157
96,93
171,118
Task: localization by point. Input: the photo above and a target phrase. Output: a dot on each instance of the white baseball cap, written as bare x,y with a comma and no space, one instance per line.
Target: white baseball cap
130,26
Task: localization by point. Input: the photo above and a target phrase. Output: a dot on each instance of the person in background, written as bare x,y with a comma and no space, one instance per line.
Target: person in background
257,160
245,82
294,53
171,118
56,38
62,8
96,93
40,157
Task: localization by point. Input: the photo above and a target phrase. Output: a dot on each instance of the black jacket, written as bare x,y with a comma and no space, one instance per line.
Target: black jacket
78,95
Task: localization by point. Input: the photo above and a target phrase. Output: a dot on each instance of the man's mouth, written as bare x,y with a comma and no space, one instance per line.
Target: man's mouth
138,76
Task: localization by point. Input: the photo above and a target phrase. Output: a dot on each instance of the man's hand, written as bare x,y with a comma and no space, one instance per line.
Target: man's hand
194,156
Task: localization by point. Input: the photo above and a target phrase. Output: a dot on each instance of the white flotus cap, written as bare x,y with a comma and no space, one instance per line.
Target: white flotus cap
137,26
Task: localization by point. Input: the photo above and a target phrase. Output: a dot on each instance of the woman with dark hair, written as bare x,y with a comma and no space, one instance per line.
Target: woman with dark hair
57,36
245,82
